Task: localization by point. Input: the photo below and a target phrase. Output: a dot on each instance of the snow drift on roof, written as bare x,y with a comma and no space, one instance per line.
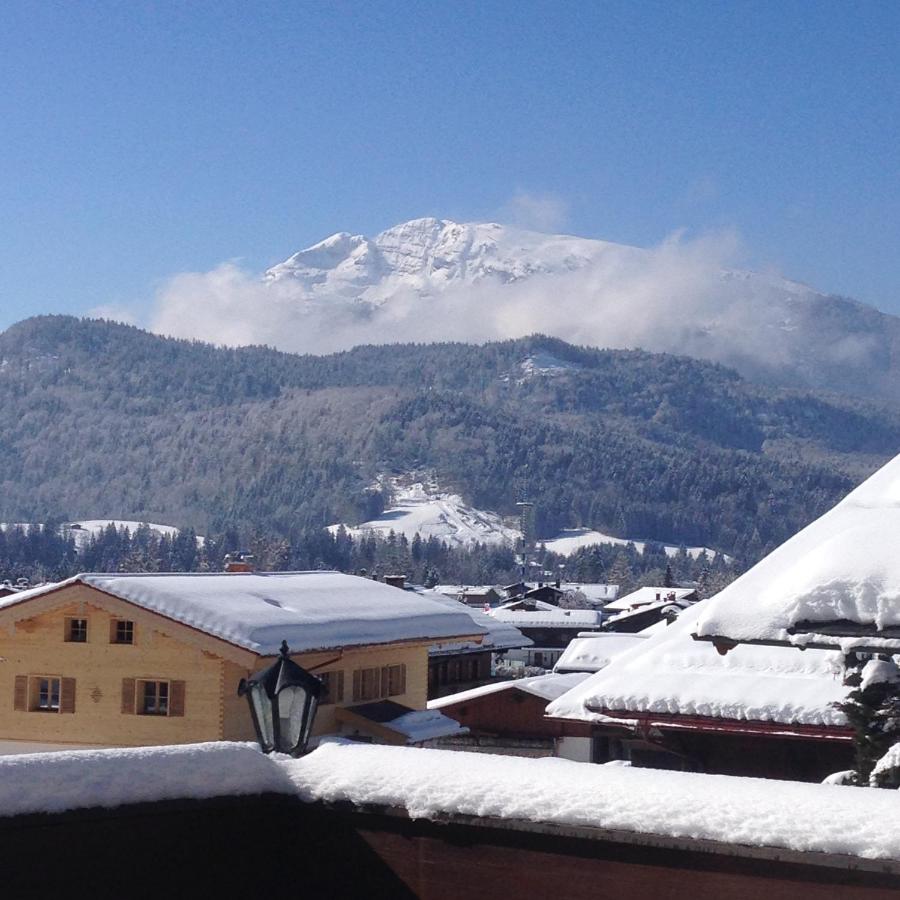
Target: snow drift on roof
844,566
670,673
258,610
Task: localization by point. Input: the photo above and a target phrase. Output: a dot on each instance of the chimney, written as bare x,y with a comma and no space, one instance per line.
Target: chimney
397,581
239,562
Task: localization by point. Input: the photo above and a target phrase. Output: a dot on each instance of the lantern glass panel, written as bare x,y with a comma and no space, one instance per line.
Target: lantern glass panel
262,707
292,702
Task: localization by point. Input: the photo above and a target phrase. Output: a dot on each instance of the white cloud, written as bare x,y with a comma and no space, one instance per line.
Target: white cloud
665,298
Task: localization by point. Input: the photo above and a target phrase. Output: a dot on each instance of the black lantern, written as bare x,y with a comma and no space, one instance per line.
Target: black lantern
283,702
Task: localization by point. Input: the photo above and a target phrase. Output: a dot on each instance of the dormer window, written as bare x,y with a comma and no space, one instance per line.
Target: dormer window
76,631
121,631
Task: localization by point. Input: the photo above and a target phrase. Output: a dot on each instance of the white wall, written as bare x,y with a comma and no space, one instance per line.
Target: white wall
578,749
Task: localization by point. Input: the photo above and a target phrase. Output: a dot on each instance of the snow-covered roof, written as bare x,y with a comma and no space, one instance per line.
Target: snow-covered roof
554,617
660,605
646,595
258,610
547,687
500,635
670,673
594,652
730,811
844,567
592,591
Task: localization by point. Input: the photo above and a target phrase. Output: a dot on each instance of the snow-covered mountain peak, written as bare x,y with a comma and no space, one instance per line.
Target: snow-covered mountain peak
428,254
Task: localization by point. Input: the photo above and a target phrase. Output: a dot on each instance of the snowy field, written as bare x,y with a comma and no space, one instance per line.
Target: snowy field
422,509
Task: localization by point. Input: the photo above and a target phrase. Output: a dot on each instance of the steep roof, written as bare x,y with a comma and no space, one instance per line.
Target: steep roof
258,610
843,568
672,674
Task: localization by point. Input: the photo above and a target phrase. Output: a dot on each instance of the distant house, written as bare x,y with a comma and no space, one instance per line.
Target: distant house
115,660
509,713
646,607
549,627
648,595
588,594
456,665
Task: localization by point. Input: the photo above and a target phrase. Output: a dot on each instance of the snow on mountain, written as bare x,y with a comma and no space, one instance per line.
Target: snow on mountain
421,508
572,539
428,254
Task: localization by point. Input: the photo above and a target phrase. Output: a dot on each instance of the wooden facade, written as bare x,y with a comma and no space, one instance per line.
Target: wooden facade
80,666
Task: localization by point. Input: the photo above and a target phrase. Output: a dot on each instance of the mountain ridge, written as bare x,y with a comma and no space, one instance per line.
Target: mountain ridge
99,416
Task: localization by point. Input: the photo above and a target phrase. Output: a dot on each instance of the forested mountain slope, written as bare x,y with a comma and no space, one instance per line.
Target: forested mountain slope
101,419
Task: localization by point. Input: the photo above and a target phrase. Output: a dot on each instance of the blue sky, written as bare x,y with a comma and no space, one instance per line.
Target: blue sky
142,140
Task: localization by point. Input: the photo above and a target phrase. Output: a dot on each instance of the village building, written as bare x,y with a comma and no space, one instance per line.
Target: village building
672,702
588,594
508,717
549,627
725,689
125,660
457,665
647,596
472,595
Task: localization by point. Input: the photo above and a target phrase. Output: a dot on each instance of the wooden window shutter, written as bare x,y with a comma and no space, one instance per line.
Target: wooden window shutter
385,681
339,687
176,698
67,695
401,687
20,697
112,630
357,684
128,696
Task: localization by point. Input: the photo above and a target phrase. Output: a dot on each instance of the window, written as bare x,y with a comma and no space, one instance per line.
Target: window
47,694
393,680
44,694
76,631
121,631
332,687
367,684
154,698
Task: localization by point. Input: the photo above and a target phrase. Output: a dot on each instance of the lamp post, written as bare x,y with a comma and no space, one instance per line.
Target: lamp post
283,702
